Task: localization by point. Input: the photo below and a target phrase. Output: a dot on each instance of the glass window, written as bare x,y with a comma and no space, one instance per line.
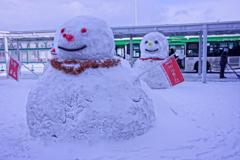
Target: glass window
230,45
14,54
24,56
178,50
136,51
192,49
12,45
24,44
120,51
234,48
43,56
33,56
50,44
213,49
49,55
1,45
20,45
44,44
28,45
223,45
2,57
36,45
31,44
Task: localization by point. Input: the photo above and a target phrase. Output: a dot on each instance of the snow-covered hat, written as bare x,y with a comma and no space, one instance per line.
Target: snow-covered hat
84,38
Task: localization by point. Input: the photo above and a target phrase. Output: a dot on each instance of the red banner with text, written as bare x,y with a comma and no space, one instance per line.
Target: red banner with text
13,68
172,71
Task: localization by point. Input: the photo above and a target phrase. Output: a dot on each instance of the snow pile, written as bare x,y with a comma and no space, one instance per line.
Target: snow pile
99,103
154,48
194,121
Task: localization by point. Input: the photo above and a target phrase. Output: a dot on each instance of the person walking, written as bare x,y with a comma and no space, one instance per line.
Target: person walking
223,62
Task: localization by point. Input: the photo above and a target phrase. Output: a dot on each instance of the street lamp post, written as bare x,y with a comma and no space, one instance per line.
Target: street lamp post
136,12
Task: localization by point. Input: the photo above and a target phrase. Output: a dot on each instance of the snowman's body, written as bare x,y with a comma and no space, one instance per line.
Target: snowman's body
152,74
154,49
98,102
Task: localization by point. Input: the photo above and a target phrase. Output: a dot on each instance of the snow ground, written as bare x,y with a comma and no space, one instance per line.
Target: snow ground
195,122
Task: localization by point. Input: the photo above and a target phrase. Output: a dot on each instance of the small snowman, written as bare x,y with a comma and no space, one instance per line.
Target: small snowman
154,49
86,93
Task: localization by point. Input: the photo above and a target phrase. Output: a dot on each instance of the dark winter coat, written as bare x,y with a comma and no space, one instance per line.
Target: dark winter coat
223,59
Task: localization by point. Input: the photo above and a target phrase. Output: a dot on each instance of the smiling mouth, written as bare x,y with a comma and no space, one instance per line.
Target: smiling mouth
155,50
72,49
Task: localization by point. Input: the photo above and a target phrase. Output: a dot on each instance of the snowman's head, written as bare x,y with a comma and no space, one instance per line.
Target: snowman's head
154,45
84,38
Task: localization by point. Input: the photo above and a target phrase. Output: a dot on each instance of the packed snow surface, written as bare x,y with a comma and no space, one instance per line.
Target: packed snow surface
195,121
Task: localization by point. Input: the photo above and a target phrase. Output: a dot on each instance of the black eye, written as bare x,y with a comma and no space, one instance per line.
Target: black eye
156,42
146,42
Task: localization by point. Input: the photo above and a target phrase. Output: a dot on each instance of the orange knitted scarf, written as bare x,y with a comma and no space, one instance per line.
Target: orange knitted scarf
78,66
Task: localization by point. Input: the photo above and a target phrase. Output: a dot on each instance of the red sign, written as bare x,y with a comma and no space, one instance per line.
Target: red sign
13,68
172,71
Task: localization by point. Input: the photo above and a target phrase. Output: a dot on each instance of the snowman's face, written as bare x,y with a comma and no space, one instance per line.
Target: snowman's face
84,38
154,45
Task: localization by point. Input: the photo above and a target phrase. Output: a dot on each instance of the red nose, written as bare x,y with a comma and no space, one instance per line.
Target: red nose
53,50
68,37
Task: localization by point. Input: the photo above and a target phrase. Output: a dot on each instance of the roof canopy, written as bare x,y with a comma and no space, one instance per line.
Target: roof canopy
214,28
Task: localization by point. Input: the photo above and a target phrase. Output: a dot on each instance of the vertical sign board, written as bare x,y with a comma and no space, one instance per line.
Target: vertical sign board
172,71
13,68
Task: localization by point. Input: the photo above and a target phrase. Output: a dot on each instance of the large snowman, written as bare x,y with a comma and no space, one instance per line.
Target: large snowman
154,49
86,93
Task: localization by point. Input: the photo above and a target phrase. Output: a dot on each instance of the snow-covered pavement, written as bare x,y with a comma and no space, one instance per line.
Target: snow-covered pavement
195,121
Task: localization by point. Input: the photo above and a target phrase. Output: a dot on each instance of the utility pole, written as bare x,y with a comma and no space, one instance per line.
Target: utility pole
204,57
136,12
6,52
131,60
200,54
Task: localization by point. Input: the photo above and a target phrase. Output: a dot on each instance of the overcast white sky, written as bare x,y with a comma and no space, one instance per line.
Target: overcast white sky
48,14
